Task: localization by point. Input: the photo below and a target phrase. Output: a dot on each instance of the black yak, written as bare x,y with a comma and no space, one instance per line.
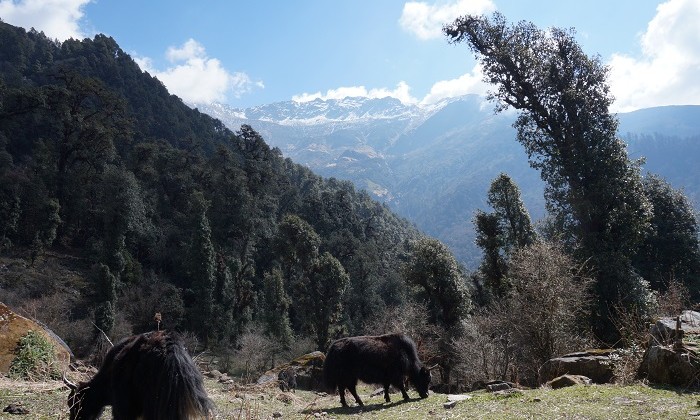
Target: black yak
384,359
149,376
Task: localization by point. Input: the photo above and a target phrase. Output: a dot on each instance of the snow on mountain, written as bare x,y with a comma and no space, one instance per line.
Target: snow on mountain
319,112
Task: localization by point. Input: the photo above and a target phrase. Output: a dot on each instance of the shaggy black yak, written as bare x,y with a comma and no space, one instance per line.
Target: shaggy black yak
149,376
384,359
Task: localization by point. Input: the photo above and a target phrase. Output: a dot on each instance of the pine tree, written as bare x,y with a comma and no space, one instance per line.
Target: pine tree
504,197
276,314
671,251
106,296
201,270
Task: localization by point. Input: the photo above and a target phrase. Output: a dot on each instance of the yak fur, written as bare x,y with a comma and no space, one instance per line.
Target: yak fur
384,359
149,376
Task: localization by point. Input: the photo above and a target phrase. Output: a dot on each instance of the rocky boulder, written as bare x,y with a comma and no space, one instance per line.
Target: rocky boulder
568,380
669,329
594,364
670,366
13,327
671,357
306,370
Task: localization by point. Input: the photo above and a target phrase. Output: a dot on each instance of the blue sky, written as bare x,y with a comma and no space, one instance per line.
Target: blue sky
253,52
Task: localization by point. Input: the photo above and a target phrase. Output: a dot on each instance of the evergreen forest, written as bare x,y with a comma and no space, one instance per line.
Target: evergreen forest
166,210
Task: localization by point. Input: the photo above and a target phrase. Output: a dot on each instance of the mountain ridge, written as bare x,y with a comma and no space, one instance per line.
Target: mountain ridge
433,165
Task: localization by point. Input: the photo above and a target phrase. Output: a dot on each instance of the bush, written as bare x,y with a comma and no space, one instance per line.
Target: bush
35,358
541,317
255,355
674,299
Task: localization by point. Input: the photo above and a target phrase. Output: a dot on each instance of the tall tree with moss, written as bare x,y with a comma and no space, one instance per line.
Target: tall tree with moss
106,298
276,312
123,213
323,297
10,208
433,271
493,267
224,301
569,135
504,197
317,282
502,232
201,269
297,246
671,251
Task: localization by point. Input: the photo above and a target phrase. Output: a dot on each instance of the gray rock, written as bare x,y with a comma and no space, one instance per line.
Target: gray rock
594,364
449,404
666,365
458,397
569,380
306,370
667,329
498,387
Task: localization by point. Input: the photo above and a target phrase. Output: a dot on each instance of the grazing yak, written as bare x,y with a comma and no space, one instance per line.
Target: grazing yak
148,376
384,359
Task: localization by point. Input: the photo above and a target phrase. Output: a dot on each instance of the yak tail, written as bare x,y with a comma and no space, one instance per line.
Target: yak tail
180,394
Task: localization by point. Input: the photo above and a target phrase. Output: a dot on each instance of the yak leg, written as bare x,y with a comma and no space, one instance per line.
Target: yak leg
386,392
403,392
341,392
353,391
401,385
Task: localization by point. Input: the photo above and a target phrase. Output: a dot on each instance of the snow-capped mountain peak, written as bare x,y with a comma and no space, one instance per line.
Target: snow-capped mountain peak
330,111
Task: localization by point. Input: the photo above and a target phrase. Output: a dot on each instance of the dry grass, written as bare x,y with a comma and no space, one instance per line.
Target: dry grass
44,400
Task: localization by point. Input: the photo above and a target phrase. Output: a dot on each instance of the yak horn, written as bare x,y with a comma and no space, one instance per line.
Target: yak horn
68,383
435,366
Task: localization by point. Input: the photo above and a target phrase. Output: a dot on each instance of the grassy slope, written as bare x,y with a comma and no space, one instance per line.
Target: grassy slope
46,401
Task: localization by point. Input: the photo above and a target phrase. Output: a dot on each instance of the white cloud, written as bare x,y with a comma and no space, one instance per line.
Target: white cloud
668,72
426,20
470,83
58,19
189,49
197,78
401,92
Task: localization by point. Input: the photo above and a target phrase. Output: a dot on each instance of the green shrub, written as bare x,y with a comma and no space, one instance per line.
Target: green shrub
35,358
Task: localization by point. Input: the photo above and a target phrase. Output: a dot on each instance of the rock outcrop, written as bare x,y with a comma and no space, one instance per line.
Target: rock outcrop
673,354
307,371
594,364
13,327
568,380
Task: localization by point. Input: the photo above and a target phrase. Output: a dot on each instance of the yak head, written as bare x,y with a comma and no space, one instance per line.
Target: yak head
422,381
80,402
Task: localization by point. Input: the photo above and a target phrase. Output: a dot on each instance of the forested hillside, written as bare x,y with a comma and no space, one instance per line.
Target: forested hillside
163,209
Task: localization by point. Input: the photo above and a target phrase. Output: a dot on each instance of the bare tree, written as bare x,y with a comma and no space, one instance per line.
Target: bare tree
541,317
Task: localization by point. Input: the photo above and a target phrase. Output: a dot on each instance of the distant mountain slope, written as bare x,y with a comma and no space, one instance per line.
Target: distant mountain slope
434,165
670,121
